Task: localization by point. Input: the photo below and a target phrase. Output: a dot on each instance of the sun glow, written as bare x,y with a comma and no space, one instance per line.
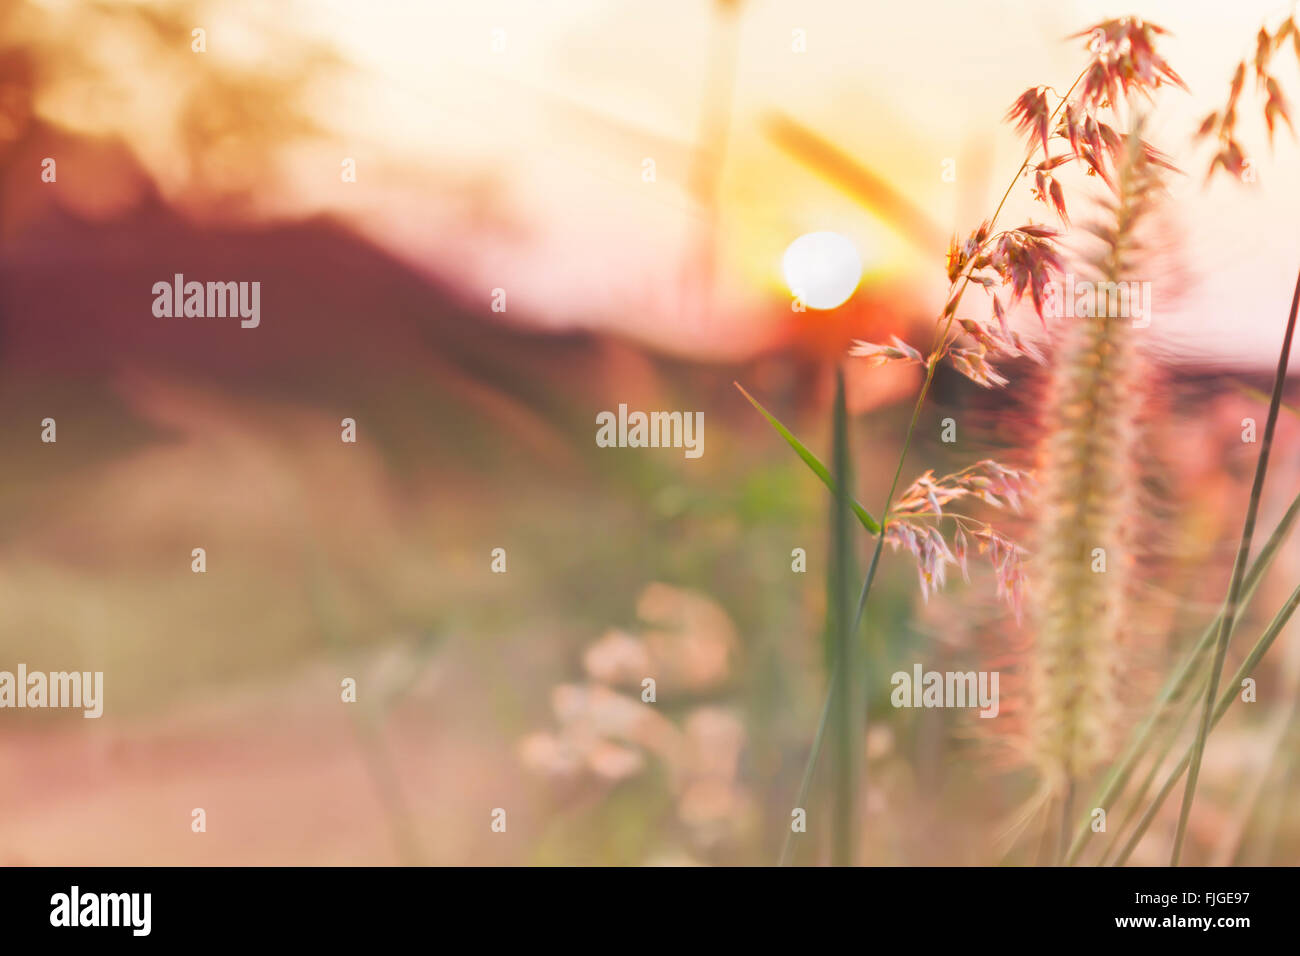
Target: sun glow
822,268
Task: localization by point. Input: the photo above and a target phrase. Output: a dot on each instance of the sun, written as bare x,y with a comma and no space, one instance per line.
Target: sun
822,269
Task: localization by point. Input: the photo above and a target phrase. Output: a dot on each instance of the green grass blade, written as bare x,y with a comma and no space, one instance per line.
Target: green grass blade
816,749
1172,732
1238,573
1119,774
806,784
811,460
846,664
1225,701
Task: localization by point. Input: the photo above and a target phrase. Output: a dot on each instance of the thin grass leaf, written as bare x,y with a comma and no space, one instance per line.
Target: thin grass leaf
1171,738
1259,395
842,646
1118,776
1238,574
811,460
1225,701
816,748
815,751
805,784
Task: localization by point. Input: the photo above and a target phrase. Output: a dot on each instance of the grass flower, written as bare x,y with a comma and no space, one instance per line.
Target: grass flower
1087,507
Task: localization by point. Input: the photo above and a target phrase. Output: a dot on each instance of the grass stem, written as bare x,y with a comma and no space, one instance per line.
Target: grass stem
1238,575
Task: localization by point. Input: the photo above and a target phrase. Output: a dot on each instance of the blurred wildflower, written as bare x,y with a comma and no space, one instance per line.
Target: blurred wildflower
692,641
712,802
601,732
1222,123
618,659
689,648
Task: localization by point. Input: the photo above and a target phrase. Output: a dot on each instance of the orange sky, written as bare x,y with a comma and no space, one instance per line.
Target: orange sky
522,167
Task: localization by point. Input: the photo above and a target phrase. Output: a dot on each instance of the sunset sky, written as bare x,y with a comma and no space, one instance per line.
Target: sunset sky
521,168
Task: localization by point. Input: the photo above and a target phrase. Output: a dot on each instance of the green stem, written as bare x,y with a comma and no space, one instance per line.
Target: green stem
931,365
806,784
1238,574
815,752
1171,738
1225,701
846,677
1120,772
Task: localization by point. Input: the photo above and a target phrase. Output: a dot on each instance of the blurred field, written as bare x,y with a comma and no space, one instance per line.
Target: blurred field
518,690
